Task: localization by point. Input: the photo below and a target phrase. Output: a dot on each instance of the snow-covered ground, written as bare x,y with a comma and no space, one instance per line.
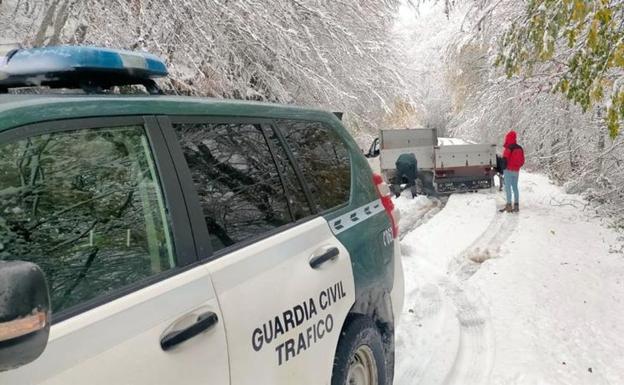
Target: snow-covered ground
521,299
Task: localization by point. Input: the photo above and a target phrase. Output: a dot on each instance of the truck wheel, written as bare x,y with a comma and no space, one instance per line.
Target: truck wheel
415,190
396,190
360,356
426,180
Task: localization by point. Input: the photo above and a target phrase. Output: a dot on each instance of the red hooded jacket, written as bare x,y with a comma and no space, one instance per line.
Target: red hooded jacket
513,152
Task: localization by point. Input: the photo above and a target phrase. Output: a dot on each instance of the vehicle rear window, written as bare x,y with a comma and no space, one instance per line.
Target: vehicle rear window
241,191
323,159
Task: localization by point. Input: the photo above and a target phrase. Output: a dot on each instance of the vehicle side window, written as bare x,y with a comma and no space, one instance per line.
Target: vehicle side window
236,179
87,207
323,158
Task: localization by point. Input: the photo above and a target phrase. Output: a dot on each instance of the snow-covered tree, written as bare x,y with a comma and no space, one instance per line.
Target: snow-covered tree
584,43
338,55
571,142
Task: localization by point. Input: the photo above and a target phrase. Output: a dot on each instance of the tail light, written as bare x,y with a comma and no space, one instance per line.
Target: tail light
384,194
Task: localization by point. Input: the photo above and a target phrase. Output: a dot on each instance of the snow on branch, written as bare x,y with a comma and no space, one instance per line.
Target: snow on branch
337,54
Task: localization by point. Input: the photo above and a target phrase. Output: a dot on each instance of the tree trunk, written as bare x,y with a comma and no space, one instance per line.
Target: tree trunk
47,21
55,16
61,19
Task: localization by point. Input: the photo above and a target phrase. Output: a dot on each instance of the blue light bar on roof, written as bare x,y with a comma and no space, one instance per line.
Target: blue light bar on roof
68,58
62,65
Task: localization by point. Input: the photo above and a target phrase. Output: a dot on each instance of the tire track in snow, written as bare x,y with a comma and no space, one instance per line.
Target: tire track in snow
435,207
428,324
429,309
475,356
486,246
454,307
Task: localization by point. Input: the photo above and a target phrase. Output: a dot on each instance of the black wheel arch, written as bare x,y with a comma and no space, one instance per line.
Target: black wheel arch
376,305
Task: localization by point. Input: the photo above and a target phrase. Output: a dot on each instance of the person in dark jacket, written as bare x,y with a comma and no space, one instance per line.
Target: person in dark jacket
513,156
407,171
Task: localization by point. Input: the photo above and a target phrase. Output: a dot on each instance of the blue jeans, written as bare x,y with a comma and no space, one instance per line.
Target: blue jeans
511,183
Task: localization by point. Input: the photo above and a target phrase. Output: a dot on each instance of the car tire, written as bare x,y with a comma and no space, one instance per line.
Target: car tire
359,357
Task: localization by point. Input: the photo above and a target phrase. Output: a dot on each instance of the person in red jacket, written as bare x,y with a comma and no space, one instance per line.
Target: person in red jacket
514,160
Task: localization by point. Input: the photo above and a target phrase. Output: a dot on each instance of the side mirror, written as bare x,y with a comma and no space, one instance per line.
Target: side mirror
24,313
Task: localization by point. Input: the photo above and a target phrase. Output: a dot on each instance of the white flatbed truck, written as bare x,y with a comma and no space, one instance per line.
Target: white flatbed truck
444,164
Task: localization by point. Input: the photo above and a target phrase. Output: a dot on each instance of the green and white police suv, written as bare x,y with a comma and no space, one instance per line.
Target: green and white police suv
147,239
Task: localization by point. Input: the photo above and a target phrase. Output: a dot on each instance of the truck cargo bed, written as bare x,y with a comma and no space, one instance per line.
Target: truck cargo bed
465,155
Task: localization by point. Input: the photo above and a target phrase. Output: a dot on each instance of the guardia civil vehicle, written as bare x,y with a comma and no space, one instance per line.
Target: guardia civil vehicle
151,239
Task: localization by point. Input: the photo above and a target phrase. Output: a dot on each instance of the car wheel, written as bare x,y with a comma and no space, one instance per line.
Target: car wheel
360,356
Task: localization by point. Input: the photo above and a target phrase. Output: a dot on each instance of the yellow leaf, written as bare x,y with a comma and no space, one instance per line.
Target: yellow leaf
580,10
592,37
604,15
618,56
613,123
565,85
596,93
571,37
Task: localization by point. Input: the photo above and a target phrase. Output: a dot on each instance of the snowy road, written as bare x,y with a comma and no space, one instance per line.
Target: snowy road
521,299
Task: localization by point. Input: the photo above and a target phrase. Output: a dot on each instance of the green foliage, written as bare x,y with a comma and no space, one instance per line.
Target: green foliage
585,42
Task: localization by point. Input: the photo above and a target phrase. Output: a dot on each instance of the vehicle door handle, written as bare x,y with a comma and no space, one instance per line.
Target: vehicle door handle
329,255
204,322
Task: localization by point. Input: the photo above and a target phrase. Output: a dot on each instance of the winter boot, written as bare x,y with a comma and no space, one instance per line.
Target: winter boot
506,209
516,207
414,191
